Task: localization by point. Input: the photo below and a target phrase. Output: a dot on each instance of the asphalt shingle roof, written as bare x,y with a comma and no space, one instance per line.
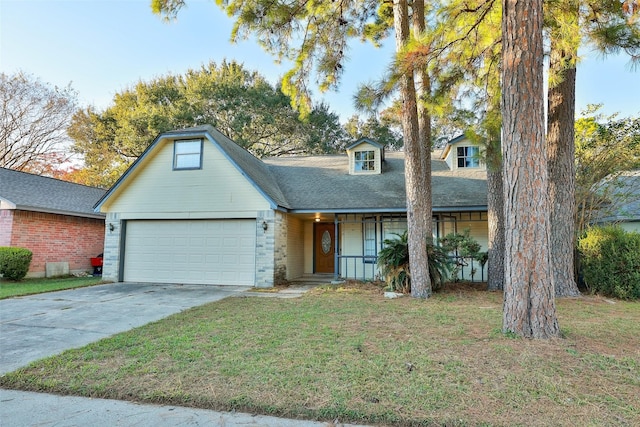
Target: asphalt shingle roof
43,194
626,196
323,183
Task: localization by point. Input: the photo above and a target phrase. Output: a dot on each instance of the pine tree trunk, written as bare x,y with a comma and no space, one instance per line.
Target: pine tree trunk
561,157
495,217
424,123
416,201
529,295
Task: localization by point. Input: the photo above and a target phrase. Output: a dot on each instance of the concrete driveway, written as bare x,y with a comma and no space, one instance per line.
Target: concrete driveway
38,326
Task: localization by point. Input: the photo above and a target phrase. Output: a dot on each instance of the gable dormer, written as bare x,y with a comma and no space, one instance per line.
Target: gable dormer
460,153
365,157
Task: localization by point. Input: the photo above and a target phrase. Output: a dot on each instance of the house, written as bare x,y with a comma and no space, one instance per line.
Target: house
197,208
52,218
624,209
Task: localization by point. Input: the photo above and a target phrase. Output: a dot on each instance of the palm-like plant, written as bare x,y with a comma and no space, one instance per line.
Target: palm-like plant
393,260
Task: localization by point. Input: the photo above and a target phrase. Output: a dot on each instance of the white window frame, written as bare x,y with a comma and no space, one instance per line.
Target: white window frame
364,161
187,154
467,156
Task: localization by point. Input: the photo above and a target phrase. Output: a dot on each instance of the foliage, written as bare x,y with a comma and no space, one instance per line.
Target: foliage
394,262
463,246
33,121
322,30
381,130
14,262
606,148
240,103
610,263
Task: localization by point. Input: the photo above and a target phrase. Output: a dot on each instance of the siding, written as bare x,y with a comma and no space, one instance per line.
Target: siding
295,247
155,190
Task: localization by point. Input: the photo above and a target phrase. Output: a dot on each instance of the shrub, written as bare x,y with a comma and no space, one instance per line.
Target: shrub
14,262
463,247
393,259
610,262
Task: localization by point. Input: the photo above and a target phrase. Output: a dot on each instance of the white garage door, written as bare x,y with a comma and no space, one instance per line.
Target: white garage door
217,252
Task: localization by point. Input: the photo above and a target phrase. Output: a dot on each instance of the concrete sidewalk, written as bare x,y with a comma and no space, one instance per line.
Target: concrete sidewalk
22,409
38,326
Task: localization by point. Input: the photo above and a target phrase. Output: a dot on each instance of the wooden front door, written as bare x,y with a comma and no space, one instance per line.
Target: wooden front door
324,247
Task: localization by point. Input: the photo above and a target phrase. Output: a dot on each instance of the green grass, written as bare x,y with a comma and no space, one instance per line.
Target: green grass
351,354
10,289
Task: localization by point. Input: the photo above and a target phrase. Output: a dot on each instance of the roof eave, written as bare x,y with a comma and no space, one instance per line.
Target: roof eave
59,212
439,209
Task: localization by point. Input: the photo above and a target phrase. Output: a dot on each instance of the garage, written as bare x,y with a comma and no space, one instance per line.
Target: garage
215,252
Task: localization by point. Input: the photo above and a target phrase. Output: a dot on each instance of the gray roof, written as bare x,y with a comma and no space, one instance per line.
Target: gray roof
30,192
626,199
322,183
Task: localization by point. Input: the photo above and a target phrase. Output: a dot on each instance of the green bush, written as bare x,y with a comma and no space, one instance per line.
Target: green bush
610,262
14,262
393,260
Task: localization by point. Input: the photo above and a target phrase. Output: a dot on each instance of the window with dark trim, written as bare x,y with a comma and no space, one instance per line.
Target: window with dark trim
187,154
369,240
364,161
468,157
392,227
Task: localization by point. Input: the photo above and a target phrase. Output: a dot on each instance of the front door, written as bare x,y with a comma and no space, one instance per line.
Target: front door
324,247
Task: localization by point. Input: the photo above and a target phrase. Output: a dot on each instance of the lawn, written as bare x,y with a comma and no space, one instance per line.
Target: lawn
349,353
10,289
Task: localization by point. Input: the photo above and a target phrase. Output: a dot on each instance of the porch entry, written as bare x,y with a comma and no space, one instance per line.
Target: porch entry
324,247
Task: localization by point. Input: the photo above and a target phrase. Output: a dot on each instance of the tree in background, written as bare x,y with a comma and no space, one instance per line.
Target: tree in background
529,296
33,122
611,27
380,130
240,103
606,148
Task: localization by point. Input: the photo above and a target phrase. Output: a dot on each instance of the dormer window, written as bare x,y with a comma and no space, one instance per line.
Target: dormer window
365,157
468,157
364,161
187,154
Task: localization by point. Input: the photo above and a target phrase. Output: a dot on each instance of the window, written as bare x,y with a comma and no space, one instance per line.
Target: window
468,157
369,233
364,161
392,227
187,154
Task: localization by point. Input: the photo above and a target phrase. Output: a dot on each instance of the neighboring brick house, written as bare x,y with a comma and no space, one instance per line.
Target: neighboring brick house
52,218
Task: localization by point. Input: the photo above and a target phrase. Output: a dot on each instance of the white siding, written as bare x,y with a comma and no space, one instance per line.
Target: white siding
155,190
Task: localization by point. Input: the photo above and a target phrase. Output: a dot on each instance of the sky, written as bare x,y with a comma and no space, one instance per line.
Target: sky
102,47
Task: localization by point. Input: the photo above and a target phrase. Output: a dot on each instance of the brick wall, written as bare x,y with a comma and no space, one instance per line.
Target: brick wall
58,238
